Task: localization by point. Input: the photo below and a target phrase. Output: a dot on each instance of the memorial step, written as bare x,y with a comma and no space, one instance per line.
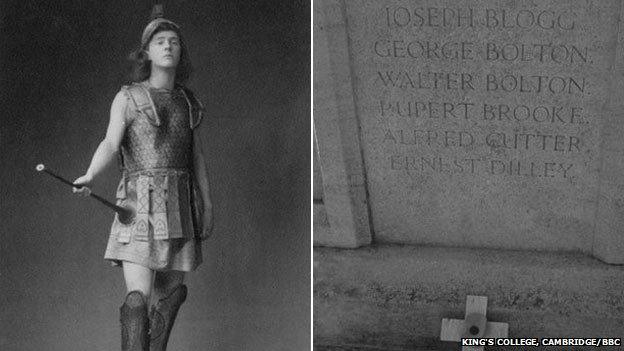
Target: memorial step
395,297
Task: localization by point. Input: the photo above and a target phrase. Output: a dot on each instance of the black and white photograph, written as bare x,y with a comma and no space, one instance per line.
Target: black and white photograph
155,175
327,175
468,175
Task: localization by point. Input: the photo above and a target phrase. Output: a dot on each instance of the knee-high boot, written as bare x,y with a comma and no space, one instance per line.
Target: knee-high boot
134,323
163,315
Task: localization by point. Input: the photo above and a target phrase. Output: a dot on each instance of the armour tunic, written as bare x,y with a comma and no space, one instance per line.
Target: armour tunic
157,182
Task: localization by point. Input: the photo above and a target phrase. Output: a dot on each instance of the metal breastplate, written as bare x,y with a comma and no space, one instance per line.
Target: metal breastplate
165,144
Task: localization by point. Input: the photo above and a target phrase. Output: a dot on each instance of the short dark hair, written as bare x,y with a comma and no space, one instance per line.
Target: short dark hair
142,66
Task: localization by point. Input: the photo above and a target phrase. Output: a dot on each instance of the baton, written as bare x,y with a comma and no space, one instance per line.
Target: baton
126,215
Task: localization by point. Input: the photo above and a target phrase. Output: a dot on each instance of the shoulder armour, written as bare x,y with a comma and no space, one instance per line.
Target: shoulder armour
196,108
139,95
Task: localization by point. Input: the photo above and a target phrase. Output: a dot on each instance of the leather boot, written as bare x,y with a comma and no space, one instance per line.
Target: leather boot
162,317
134,323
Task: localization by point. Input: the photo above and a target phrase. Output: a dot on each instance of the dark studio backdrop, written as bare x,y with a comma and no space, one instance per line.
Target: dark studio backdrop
61,65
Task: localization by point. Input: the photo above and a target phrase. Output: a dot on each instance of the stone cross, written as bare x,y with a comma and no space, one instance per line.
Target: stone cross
474,325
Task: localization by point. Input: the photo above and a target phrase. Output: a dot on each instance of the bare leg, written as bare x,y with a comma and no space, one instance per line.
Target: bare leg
171,293
138,278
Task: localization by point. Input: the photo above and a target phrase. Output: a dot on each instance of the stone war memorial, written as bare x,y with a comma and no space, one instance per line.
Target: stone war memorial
467,150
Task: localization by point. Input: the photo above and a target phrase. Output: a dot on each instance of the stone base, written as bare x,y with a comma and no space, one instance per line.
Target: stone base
394,297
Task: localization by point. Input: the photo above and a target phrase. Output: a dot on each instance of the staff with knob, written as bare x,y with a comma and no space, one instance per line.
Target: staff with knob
126,214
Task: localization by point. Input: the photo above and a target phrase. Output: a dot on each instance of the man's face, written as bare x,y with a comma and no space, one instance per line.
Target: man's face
164,49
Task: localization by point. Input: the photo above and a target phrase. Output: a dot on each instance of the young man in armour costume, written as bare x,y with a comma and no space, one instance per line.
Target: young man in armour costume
153,130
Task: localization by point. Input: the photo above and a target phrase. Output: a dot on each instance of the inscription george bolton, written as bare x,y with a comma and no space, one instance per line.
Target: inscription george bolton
469,51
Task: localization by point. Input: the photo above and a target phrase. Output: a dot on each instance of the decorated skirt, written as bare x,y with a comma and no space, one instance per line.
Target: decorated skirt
161,235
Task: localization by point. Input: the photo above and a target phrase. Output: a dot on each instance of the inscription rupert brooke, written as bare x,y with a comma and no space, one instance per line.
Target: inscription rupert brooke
523,116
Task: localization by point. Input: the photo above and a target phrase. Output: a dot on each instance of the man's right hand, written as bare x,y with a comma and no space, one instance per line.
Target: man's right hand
82,185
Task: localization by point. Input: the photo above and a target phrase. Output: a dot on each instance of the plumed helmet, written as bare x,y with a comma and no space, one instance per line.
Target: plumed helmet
156,19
